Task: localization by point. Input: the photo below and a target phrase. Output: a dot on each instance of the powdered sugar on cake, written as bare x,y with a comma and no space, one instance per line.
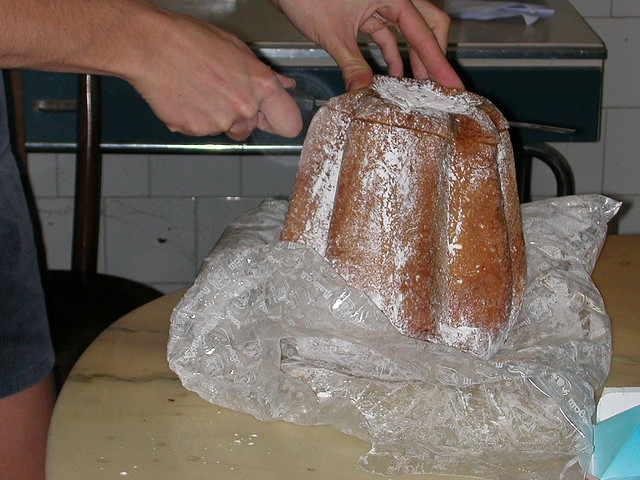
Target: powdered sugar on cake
410,228
416,97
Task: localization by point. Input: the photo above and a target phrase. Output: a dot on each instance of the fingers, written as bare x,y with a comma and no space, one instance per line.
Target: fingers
437,20
276,113
279,114
355,70
427,49
388,43
226,89
270,109
286,82
426,29
242,129
417,67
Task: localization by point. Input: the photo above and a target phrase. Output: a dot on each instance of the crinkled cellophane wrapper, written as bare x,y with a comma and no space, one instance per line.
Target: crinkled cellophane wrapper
268,328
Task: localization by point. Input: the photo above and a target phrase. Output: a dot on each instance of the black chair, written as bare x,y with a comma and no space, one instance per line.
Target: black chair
81,303
524,157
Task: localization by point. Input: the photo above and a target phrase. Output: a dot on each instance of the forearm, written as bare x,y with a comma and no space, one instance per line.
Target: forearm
90,36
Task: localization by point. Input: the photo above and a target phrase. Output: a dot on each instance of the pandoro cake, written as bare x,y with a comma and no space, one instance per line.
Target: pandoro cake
408,189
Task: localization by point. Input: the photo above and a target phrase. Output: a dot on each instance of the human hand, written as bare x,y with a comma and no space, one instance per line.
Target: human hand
205,81
334,24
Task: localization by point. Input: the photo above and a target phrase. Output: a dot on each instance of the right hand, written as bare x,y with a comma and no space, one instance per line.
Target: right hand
201,80
334,24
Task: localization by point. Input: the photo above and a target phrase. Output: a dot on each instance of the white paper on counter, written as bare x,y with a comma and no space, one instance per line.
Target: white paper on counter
615,400
488,10
270,329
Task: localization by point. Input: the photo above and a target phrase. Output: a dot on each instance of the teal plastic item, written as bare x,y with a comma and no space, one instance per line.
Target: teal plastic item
616,454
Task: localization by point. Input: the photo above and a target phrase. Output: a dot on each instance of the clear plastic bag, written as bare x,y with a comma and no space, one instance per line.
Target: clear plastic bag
268,328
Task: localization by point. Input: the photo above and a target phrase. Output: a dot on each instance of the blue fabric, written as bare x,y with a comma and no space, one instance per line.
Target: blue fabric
26,353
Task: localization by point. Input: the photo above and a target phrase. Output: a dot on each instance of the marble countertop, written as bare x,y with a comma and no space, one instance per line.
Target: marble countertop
123,414
617,276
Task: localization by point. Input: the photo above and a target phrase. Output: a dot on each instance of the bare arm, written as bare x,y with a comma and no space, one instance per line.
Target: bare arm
201,80
197,78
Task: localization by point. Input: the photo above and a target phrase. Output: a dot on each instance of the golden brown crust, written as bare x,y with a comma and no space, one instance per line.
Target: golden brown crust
314,190
413,200
507,169
363,244
479,276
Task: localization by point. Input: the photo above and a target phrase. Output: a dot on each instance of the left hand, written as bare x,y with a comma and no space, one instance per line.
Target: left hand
334,25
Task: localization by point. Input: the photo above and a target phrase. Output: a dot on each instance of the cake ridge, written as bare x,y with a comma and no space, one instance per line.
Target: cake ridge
419,208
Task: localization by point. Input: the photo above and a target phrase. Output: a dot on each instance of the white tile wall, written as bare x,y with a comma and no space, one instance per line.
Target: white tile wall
625,8
213,214
56,218
628,220
586,160
66,166
194,175
151,240
622,155
619,28
622,66
593,8
43,174
268,175
125,176
162,214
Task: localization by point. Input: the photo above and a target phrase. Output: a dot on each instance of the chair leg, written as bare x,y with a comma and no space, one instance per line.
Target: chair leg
80,303
18,120
523,177
565,182
88,177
